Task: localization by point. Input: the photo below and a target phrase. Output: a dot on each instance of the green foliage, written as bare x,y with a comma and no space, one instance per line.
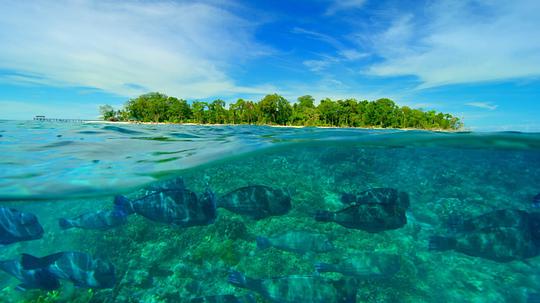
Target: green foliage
275,109
217,112
107,113
178,110
199,110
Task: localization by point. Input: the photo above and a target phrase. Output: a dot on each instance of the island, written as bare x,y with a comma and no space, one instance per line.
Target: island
275,110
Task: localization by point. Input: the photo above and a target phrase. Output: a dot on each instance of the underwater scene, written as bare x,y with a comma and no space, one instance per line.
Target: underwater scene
182,213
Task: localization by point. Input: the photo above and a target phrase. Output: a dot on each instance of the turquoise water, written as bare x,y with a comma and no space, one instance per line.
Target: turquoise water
63,170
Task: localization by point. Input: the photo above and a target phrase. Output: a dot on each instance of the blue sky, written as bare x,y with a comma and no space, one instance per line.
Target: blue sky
479,60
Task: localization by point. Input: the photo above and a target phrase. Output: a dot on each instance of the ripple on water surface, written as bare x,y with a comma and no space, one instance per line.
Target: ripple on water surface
44,159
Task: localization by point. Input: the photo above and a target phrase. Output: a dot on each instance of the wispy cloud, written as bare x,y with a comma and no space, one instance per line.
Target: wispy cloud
319,36
483,105
324,61
424,105
126,48
451,42
351,54
318,65
343,5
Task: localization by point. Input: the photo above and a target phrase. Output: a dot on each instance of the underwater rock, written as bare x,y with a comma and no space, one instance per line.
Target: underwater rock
224,299
225,251
138,278
297,241
17,226
382,195
446,211
257,201
502,236
160,271
306,289
365,266
230,228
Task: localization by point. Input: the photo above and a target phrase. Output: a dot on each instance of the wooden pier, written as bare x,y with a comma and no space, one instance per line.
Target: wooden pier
43,118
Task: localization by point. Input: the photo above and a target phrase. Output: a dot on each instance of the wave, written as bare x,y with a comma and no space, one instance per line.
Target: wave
43,160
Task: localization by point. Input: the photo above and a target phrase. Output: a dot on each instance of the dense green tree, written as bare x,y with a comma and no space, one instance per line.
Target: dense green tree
328,111
236,111
198,108
304,112
178,110
384,112
284,111
250,112
306,101
268,107
275,109
107,112
123,115
217,113
151,107
347,109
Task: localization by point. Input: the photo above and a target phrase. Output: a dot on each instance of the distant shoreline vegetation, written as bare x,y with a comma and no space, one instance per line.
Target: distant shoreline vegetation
276,110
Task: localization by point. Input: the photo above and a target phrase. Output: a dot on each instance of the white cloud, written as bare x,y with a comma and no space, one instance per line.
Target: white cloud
317,65
451,42
343,5
423,105
127,47
326,61
318,36
351,54
483,105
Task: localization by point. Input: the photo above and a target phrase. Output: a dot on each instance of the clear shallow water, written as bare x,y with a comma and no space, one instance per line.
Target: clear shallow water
45,160
62,170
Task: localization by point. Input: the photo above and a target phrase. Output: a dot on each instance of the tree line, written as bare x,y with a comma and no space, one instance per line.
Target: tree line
276,110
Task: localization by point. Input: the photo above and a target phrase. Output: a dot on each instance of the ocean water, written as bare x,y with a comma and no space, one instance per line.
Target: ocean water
61,170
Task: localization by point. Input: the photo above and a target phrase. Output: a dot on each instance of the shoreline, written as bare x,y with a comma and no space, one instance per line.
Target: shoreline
272,125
